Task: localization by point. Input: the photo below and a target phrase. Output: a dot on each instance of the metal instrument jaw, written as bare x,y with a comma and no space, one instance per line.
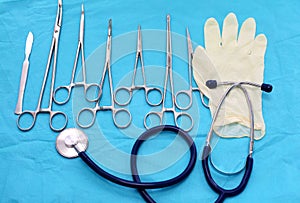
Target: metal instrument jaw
81,32
139,43
108,44
169,46
58,20
190,47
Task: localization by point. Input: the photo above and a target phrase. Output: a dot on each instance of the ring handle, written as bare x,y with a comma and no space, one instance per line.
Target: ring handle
118,111
87,88
188,94
151,89
157,114
92,111
54,114
177,115
68,89
33,114
223,193
128,90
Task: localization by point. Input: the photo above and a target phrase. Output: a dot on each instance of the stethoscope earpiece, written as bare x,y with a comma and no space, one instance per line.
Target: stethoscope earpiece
211,84
266,87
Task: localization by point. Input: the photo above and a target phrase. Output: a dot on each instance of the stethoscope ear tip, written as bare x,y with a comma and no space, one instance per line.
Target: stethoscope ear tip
211,84
266,87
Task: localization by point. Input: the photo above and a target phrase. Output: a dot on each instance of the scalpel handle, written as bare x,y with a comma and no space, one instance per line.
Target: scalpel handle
19,107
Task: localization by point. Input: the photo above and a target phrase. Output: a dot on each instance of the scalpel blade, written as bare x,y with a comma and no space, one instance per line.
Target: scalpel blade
29,41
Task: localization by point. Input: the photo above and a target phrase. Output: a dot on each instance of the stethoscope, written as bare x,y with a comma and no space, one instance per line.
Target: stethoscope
223,193
73,142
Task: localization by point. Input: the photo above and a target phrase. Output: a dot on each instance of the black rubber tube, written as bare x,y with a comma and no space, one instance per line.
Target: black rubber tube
223,193
146,135
141,186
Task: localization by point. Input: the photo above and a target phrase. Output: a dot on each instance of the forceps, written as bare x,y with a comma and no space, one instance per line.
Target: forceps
169,74
80,48
189,92
138,57
52,54
97,107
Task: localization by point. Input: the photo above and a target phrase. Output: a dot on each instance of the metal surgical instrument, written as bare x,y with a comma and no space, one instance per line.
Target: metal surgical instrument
29,41
80,49
169,75
52,54
189,92
130,89
223,193
98,107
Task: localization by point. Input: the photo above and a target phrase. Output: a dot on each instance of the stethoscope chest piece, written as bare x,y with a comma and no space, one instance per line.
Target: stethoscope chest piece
69,141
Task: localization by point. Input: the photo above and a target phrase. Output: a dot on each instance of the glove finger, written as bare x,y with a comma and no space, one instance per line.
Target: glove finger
260,45
212,35
230,30
203,70
247,32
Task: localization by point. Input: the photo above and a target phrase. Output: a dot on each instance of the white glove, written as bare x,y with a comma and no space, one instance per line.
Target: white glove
236,58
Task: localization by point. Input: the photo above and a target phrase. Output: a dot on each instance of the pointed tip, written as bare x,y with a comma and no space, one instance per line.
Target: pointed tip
59,2
187,32
109,27
82,8
139,32
30,37
168,17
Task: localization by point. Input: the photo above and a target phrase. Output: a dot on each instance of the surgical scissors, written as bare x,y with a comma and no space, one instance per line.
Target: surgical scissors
80,49
169,75
189,92
97,107
52,54
130,89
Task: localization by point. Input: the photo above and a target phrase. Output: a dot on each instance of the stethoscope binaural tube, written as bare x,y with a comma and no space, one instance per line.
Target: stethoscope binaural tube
223,193
136,183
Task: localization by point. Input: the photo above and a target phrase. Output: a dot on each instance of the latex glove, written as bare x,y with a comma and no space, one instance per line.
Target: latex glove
232,57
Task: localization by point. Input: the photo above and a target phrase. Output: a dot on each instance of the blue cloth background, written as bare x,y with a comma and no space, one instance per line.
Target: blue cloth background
32,171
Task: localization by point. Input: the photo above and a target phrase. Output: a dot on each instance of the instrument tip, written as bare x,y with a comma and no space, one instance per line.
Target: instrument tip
82,8
59,3
139,27
168,17
187,32
109,27
30,34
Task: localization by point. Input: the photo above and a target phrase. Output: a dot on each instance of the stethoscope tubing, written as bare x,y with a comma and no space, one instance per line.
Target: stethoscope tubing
137,183
224,193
